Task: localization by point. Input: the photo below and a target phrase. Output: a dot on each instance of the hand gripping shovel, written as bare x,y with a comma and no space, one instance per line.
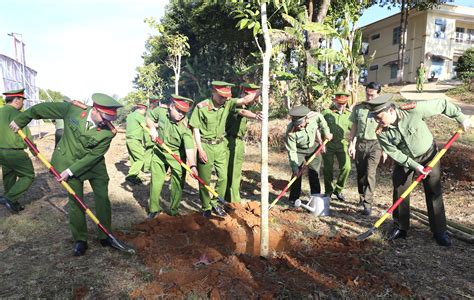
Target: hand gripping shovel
115,243
186,167
298,174
432,163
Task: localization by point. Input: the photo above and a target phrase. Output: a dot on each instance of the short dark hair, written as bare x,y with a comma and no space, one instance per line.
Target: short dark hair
374,86
9,99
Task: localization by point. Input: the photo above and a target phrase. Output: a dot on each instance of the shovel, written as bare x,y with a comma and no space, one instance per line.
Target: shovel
432,163
298,174
186,167
115,243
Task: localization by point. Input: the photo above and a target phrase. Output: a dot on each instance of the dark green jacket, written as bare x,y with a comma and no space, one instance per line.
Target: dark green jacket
9,139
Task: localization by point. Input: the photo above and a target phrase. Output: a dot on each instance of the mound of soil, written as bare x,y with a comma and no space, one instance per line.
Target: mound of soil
192,255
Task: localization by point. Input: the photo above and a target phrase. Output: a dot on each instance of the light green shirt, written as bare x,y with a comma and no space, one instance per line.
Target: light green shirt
177,136
339,124
211,120
410,137
365,126
303,141
134,130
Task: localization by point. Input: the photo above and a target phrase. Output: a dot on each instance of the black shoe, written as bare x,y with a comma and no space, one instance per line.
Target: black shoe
340,197
80,248
152,215
218,210
206,214
13,207
367,211
442,239
396,233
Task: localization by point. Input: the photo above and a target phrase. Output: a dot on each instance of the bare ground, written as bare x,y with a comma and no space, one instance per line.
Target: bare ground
192,257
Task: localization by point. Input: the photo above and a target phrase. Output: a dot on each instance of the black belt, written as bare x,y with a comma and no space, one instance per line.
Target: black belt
11,148
213,141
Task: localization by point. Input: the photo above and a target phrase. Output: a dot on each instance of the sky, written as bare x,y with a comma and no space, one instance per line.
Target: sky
80,47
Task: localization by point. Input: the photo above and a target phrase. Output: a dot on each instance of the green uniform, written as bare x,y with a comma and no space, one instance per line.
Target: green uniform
420,78
178,137
368,153
410,143
211,122
17,169
300,146
236,128
59,126
81,150
339,125
135,140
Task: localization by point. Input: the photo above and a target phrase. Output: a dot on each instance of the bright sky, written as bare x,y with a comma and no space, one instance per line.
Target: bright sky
80,47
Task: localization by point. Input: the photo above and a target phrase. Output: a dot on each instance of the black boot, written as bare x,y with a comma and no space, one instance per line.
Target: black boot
13,207
80,248
442,239
340,197
396,233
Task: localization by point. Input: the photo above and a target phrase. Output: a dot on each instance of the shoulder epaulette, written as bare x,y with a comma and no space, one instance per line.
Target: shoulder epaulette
203,104
111,127
408,106
79,104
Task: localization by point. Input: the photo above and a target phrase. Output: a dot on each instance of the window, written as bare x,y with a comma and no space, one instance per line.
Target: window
393,71
396,36
459,34
440,29
364,48
470,36
375,36
374,67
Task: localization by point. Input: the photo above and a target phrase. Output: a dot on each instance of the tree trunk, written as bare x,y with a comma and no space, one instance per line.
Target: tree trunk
403,41
265,103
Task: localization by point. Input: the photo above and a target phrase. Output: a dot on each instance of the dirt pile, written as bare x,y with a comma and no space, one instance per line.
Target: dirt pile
191,255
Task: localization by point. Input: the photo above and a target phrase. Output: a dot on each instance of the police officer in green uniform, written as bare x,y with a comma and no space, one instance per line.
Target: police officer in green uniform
405,137
208,121
303,137
236,128
153,101
135,141
365,149
175,133
80,156
337,118
17,169
420,77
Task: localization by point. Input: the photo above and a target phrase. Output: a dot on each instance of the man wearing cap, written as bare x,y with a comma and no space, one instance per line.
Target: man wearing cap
17,169
135,141
79,156
337,118
365,149
405,137
173,130
303,137
420,77
236,127
208,121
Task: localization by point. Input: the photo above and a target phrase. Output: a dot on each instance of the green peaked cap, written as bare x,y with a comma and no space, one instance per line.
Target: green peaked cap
105,100
299,111
341,93
379,103
222,83
250,86
178,97
15,93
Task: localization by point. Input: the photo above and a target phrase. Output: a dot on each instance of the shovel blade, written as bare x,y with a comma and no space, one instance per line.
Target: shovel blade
117,244
366,234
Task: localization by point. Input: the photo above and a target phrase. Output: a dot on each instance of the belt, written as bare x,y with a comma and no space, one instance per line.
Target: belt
11,148
213,141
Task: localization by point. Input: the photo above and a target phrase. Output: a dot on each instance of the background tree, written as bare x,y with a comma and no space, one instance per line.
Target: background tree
465,65
50,95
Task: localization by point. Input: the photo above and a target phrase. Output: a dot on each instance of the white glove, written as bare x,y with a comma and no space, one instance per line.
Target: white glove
14,127
466,124
153,133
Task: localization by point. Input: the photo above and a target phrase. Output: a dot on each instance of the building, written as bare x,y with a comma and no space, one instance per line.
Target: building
436,37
